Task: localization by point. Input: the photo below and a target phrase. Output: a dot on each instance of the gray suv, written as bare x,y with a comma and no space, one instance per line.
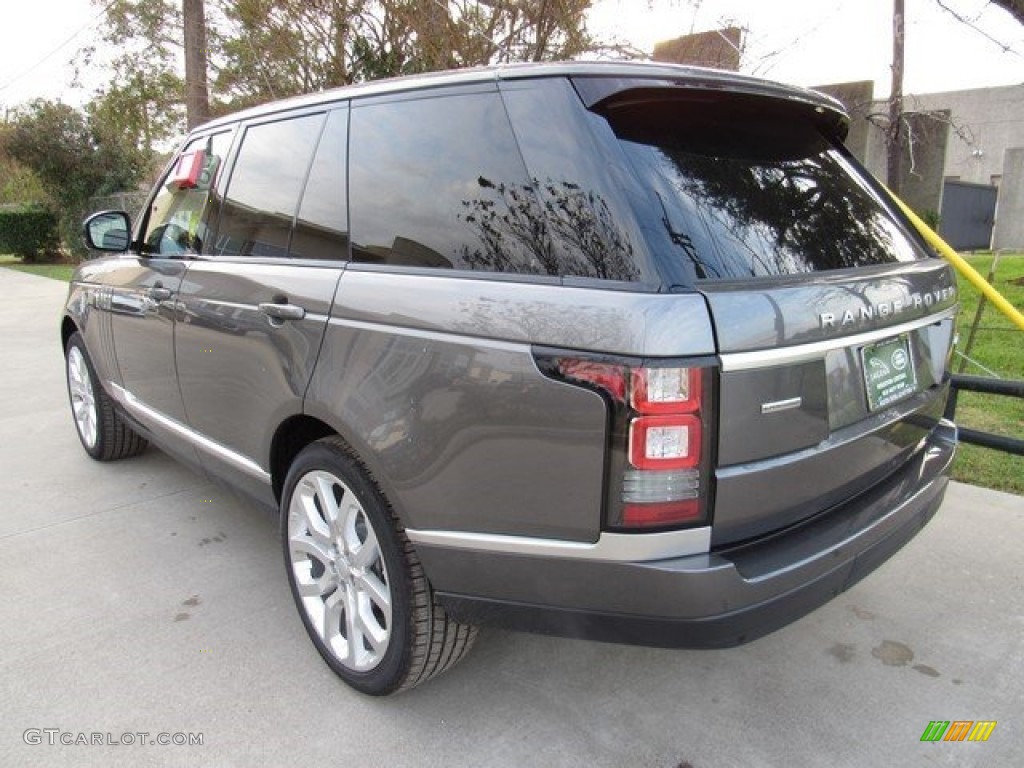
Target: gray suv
636,353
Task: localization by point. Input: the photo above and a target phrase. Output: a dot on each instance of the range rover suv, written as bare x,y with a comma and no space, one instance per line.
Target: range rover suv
636,353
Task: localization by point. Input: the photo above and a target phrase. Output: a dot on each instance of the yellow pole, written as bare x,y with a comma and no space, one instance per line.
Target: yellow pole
961,265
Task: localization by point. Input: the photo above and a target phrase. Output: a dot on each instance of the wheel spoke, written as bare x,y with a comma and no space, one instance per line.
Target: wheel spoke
367,553
376,591
349,531
312,587
371,629
333,608
311,518
312,546
328,504
353,632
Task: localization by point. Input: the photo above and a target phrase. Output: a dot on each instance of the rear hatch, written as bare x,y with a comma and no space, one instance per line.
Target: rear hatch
833,321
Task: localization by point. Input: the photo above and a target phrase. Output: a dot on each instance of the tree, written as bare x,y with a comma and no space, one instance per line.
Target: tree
74,156
146,83
260,50
18,184
197,96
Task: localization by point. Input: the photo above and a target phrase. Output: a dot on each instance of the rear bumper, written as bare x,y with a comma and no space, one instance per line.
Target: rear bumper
718,599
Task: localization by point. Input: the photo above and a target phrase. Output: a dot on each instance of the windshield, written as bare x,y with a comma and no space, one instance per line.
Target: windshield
735,194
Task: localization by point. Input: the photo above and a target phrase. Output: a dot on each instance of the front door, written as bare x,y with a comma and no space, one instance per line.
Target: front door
145,284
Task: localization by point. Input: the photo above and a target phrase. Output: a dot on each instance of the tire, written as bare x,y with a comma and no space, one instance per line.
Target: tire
104,434
358,585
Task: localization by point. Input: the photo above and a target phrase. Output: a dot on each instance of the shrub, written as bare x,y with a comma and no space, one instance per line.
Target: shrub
29,232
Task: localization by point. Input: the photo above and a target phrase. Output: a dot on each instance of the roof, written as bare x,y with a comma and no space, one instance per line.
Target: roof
658,73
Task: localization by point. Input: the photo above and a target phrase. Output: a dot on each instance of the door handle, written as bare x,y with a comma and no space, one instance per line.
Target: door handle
282,311
159,293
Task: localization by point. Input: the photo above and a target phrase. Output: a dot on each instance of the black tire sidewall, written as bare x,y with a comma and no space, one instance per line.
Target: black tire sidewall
390,673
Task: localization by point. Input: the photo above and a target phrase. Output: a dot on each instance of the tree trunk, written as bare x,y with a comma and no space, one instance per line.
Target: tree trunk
197,95
893,137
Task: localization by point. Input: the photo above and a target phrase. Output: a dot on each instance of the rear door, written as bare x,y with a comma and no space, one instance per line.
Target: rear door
833,322
254,305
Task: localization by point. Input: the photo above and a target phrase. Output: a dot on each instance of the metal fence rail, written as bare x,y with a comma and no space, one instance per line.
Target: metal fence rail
982,384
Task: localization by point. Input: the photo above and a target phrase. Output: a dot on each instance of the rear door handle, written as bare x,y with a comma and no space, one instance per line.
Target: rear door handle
159,293
282,311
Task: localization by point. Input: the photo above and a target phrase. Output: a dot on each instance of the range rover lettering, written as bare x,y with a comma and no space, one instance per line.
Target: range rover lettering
636,353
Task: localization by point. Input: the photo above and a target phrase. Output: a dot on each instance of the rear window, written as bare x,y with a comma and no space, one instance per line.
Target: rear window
739,189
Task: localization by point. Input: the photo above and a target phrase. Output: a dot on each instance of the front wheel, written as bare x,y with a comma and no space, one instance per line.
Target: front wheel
356,580
104,434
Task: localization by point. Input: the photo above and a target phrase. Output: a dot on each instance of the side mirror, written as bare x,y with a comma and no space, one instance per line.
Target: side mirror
108,231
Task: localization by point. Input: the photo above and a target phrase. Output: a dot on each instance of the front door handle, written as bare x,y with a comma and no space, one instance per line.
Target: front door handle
282,311
159,293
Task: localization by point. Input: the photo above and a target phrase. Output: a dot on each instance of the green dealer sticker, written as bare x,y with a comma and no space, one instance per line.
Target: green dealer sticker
889,374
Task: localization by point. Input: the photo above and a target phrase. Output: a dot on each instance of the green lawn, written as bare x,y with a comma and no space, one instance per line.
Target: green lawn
998,346
55,271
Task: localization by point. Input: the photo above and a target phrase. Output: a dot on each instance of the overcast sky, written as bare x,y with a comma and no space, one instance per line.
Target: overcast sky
806,42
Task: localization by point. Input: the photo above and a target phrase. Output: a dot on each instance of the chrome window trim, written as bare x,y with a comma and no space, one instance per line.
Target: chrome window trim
767,358
147,414
614,547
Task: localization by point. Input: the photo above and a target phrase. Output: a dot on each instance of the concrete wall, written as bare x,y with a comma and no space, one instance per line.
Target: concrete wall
984,122
719,49
858,98
1009,229
925,143
985,130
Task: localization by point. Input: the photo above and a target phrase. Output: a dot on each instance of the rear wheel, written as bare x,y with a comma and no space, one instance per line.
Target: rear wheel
104,435
356,580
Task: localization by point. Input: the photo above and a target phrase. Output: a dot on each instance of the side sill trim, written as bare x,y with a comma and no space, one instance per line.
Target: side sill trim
623,547
147,414
766,358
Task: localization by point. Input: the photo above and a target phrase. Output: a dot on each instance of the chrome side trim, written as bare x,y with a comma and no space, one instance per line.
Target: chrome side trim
146,414
422,333
766,358
624,547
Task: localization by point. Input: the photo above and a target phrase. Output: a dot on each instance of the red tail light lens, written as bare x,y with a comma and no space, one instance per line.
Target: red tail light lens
659,515
658,473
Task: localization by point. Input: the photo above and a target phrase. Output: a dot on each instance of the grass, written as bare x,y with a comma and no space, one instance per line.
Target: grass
999,347
53,271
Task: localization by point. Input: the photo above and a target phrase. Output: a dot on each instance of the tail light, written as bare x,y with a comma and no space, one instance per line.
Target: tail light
659,437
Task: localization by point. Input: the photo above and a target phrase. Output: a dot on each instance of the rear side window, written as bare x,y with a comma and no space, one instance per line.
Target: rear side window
439,182
266,182
736,189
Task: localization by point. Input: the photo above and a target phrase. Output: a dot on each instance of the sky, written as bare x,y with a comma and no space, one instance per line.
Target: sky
804,42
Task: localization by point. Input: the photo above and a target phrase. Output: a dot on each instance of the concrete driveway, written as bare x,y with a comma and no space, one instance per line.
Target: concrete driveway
140,599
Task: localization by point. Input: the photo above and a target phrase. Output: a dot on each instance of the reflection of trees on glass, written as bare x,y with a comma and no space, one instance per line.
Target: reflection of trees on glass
772,216
554,228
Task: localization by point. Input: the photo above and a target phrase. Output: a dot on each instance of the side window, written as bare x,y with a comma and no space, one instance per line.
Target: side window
438,182
321,228
582,185
266,181
176,224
